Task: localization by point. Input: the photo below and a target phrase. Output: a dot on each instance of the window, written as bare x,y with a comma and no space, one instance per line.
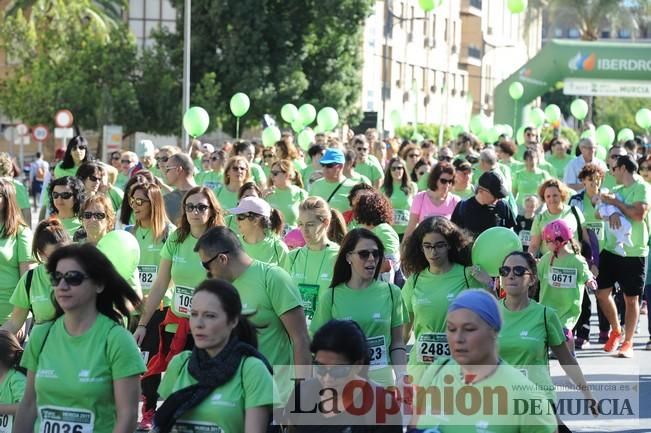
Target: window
625,34
136,8
454,32
149,26
558,33
152,9
169,13
433,27
411,21
424,79
137,27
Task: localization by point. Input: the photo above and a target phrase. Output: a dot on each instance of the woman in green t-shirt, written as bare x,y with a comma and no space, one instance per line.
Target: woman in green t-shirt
90,174
236,388
123,208
66,195
286,192
15,246
236,173
76,154
527,181
97,218
12,379
83,368
356,294
35,295
260,227
399,188
559,156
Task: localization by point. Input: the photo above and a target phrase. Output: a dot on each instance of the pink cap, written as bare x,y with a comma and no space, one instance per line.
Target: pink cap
252,204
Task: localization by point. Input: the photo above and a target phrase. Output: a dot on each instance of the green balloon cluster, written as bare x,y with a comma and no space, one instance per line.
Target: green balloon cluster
306,138
491,248
643,118
625,134
605,135
196,121
270,135
122,249
327,119
553,113
516,90
579,109
289,113
516,6
240,104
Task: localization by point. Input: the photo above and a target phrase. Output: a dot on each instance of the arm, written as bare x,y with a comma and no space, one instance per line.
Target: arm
407,327
534,245
126,392
294,322
156,294
411,225
636,211
26,266
571,368
15,322
397,351
26,414
256,419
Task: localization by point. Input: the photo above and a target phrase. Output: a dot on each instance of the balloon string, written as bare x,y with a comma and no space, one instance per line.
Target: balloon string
237,129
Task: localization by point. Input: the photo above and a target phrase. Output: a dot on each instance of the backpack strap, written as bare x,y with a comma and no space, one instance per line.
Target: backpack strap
28,287
465,277
578,223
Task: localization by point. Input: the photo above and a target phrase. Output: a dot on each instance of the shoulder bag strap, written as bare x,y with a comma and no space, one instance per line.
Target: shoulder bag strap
466,277
332,194
578,223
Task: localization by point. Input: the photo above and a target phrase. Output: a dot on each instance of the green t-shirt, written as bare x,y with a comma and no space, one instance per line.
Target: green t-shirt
373,171
525,338
526,183
324,189
187,271
609,181
544,218
306,173
638,191
377,309
224,409
561,285
466,193
559,165
449,380
121,180
226,198
271,249
40,291
389,239
14,250
60,171
359,178
210,179
514,165
74,375
426,297
287,202
592,222
22,196
71,225
150,254
401,204
312,272
116,195
422,183
546,166
12,389
258,175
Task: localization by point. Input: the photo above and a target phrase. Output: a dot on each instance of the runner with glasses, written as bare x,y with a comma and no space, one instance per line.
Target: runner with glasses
398,188
213,176
83,368
66,195
77,152
236,173
97,218
356,293
286,192
333,187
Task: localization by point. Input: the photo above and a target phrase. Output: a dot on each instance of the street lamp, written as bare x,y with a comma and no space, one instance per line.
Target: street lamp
187,14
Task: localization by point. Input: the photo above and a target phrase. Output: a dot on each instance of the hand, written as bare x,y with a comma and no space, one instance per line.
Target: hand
614,221
480,275
139,334
268,192
592,285
608,198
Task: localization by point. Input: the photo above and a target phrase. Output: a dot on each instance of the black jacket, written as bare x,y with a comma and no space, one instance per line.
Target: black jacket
477,218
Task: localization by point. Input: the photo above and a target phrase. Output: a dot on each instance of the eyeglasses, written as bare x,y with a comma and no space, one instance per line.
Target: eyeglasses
63,195
446,181
238,168
199,208
414,155
206,264
365,254
445,158
335,371
94,178
397,168
276,173
615,156
249,215
436,246
362,149
125,161
82,147
99,216
137,201
518,271
72,278
159,159
330,165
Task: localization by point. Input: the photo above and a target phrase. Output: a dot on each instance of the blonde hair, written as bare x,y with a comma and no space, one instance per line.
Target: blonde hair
101,200
332,217
287,167
231,162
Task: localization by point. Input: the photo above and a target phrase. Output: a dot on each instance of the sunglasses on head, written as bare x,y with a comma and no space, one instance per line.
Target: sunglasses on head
330,165
365,254
137,201
72,278
335,371
93,215
191,207
63,195
249,215
518,271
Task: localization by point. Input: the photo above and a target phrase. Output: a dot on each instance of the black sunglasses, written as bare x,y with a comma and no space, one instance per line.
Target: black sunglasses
362,149
214,158
125,161
446,181
335,371
63,195
99,216
276,173
365,254
206,264
72,278
94,178
160,159
397,168
330,165
201,208
82,147
249,215
518,271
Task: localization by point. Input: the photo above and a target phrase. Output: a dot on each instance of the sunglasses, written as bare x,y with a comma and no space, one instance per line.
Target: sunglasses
362,149
414,155
397,168
205,161
72,278
160,159
330,165
80,147
249,215
276,173
446,181
125,161
365,254
214,158
644,168
200,208
237,168
268,155
137,201
335,371
206,264
166,169
115,158
518,271
445,158
94,178
99,216
63,195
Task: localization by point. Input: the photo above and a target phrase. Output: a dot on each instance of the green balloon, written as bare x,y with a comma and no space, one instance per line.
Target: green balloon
589,133
643,118
196,121
270,135
418,137
455,130
553,112
516,6
491,248
479,123
308,113
492,135
306,138
427,5
396,118
122,249
605,135
289,112
601,153
508,130
240,104
516,90
625,134
537,117
297,124
519,136
327,118
579,109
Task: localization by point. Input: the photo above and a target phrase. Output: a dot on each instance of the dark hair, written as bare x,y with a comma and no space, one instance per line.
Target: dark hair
140,177
87,169
240,147
459,240
508,147
11,215
357,189
75,141
405,182
530,154
183,230
10,350
247,186
373,209
591,170
627,162
218,239
435,174
77,188
642,160
342,270
314,149
533,267
344,337
231,303
114,300
184,161
48,232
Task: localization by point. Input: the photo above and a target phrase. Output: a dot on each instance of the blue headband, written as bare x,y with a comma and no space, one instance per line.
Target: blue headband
480,302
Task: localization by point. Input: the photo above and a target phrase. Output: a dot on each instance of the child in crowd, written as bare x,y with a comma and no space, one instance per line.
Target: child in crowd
524,222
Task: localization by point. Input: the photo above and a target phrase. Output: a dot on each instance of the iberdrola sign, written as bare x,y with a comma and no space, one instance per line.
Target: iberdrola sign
560,60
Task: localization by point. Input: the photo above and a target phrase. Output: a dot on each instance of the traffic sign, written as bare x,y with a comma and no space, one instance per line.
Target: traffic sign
63,119
22,129
64,133
40,133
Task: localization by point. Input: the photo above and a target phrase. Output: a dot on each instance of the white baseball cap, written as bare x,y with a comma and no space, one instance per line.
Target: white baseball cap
252,204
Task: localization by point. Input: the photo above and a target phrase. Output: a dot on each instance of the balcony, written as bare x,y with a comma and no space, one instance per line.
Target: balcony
471,7
470,55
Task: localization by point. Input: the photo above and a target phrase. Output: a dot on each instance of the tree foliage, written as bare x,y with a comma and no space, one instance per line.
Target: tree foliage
619,112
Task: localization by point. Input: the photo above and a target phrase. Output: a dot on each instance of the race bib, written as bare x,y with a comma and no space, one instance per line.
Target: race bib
525,237
147,274
377,351
66,420
432,345
196,427
597,227
564,278
309,294
6,423
401,217
182,301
